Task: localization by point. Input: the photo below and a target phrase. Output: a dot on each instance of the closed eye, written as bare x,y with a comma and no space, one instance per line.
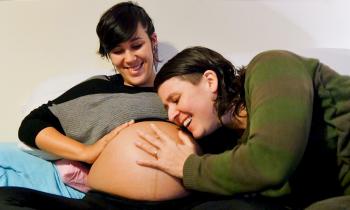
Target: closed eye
117,50
175,99
136,47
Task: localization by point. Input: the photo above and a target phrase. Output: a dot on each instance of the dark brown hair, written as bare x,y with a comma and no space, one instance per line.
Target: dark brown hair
191,63
119,23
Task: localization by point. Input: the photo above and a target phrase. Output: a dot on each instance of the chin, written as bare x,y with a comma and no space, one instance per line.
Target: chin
197,135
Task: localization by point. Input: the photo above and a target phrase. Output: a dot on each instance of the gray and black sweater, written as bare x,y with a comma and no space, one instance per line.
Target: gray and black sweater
91,109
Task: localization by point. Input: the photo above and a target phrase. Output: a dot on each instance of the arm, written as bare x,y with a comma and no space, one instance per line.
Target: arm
50,140
42,129
279,96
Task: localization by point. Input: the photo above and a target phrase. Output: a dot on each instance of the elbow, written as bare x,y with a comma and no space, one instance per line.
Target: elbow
275,177
21,132
275,180
27,133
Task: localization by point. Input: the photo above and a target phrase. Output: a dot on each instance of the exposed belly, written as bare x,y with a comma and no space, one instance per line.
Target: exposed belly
116,172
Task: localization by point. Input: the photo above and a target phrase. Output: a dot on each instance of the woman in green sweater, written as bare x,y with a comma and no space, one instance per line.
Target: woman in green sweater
293,116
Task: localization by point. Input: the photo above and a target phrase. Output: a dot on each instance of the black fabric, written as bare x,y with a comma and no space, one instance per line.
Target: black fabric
43,117
118,203
37,120
17,198
228,138
13,198
100,84
245,203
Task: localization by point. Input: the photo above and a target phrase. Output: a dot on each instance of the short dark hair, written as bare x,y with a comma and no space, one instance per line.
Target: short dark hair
119,23
191,63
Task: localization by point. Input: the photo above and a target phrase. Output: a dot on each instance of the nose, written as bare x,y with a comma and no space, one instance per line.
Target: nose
173,114
129,56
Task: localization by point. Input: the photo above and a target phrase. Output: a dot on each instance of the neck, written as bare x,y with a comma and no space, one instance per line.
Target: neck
237,123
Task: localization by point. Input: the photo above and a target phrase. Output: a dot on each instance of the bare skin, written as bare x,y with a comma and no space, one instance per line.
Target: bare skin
116,172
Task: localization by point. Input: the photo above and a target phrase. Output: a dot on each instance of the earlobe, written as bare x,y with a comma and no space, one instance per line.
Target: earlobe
212,80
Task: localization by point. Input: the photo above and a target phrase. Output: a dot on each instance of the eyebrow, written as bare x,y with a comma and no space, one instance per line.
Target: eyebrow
132,39
135,38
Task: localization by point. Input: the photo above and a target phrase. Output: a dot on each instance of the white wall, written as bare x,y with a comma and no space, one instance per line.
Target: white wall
41,39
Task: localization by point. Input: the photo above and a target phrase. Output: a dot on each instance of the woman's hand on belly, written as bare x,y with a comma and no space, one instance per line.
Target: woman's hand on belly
91,152
116,172
170,155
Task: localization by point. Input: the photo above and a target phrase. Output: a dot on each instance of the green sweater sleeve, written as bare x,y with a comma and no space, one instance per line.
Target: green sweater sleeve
279,98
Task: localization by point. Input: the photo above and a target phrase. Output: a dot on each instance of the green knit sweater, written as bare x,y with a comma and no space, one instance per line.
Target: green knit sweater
297,138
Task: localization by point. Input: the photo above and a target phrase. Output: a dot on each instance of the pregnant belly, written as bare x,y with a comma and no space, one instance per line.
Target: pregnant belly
116,172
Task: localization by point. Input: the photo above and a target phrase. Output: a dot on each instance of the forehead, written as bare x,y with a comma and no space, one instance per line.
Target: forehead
174,85
140,34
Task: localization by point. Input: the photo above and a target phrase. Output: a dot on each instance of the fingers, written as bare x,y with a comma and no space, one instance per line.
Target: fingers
156,142
131,122
147,148
109,136
149,163
162,136
116,130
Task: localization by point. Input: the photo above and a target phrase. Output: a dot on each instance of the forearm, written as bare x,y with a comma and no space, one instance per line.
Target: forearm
39,119
52,141
280,107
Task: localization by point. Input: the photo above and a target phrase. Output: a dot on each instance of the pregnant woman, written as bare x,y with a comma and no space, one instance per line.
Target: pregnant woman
86,124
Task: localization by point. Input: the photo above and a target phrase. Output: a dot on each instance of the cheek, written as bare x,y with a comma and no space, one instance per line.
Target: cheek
148,55
206,103
116,60
207,115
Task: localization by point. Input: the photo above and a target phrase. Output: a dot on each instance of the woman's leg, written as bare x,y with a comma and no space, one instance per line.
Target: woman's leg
13,198
20,169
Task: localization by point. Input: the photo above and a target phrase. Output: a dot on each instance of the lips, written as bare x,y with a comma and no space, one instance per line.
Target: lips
187,122
135,69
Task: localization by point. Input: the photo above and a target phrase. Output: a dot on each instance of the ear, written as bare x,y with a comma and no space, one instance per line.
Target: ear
154,39
211,79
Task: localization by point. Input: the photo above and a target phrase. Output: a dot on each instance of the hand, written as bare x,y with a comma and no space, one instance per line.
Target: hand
170,156
91,152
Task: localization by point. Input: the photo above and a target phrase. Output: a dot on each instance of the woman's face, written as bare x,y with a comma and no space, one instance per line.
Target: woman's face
191,106
134,59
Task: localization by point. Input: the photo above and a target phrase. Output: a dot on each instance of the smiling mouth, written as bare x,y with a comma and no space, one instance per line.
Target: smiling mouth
187,122
135,68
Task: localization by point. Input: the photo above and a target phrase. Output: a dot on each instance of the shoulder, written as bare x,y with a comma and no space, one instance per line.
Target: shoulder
116,78
278,70
100,82
276,62
93,85
273,57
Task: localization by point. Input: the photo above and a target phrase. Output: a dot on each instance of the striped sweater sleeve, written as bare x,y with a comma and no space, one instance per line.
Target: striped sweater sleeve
42,117
279,97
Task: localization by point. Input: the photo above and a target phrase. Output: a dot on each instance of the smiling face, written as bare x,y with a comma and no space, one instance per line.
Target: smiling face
134,59
191,105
